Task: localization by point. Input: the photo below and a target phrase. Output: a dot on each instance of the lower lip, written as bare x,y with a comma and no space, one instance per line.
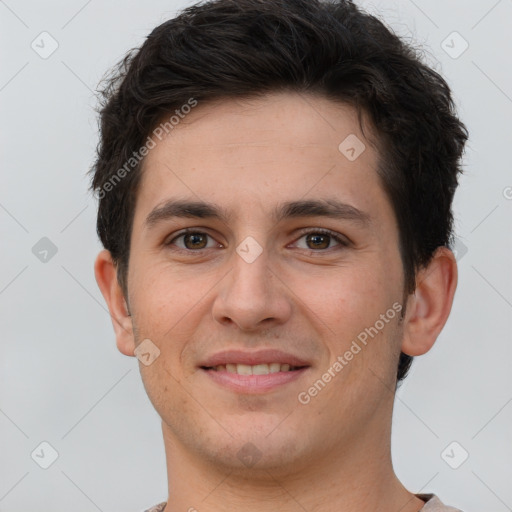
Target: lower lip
254,383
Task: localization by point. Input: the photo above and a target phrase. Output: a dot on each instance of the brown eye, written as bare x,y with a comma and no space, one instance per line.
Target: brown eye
191,241
318,240
195,240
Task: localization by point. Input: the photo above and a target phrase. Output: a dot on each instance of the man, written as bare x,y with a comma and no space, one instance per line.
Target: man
275,182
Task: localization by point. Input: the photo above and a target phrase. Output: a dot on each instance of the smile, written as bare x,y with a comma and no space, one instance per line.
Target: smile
245,379
257,369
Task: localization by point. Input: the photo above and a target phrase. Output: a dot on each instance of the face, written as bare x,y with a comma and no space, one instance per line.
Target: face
295,261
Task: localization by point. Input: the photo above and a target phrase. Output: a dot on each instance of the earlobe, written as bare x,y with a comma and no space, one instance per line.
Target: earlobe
106,277
429,306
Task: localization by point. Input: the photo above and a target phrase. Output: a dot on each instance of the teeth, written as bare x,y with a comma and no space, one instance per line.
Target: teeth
257,369
274,367
260,369
231,368
243,369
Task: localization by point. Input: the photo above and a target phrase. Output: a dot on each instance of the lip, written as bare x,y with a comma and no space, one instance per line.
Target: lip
254,384
253,358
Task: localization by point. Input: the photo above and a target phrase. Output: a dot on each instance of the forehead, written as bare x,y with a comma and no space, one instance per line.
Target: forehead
285,145
280,119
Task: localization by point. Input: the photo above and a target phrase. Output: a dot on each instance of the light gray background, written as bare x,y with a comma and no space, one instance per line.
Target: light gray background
62,379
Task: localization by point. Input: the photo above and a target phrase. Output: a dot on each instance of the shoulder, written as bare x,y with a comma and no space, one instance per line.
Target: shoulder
157,508
434,504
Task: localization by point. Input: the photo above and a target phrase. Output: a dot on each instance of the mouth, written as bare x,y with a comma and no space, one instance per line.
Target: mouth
257,369
253,372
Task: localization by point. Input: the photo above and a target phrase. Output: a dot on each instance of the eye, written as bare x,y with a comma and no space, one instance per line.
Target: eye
320,239
192,240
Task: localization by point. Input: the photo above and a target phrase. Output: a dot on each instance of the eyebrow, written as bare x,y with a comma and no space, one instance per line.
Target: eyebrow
331,208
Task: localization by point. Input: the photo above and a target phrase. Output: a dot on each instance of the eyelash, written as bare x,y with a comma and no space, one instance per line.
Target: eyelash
321,231
317,231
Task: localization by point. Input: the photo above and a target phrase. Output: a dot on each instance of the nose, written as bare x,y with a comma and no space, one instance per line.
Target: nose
252,296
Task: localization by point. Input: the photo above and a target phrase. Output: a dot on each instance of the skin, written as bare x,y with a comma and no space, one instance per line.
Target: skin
332,454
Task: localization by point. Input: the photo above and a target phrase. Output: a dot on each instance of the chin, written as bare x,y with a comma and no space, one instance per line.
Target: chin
250,456
257,442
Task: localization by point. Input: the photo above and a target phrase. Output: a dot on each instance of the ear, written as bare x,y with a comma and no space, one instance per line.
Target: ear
106,277
429,306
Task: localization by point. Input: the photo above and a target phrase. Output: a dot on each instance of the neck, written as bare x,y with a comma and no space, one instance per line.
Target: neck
359,476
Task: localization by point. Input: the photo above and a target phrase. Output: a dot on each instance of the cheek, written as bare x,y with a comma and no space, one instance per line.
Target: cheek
163,293
166,391
165,309
353,308
347,297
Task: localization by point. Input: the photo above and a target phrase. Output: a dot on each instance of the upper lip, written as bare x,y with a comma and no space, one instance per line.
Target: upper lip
253,358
